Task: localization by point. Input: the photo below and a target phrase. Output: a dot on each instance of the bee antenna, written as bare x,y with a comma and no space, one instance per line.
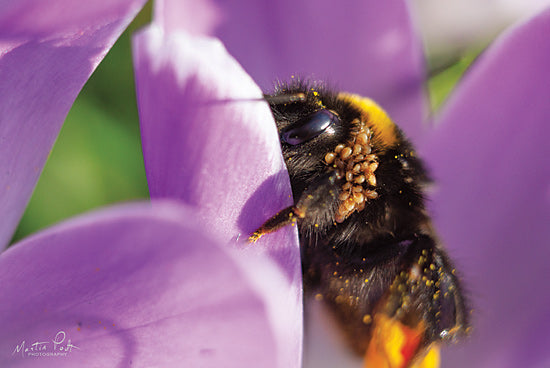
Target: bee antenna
273,100
283,99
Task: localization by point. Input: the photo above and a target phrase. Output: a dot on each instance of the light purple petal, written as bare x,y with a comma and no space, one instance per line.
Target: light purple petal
142,287
366,47
195,17
490,156
210,142
47,51
208,138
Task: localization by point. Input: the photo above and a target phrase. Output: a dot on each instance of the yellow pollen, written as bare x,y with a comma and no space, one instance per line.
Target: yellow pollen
367,319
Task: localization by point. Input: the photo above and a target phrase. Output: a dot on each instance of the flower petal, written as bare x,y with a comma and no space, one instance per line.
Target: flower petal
47,51
208,138
490,155
208,144
366,47
195,17
140,286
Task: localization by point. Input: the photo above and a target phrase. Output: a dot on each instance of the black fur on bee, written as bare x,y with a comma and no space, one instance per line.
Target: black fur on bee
367,243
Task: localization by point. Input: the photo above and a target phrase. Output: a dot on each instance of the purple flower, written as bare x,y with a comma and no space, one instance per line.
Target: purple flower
47,52
492,206
486,148
138,285
141,286
123,285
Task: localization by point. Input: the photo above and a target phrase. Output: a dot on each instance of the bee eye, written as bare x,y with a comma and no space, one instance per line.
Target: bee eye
309,127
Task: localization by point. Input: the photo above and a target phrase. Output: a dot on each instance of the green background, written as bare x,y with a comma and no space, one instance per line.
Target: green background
97,158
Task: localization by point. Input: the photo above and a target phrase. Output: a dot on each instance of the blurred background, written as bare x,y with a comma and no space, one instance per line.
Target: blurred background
97,158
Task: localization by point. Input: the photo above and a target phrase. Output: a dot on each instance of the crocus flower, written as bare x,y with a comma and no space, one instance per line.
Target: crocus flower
136,285
486,148
47,52
494,222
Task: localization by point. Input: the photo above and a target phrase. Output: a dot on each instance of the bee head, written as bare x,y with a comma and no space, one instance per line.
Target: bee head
324,132
309,127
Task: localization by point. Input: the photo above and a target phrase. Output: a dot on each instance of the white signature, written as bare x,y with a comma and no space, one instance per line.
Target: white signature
59,346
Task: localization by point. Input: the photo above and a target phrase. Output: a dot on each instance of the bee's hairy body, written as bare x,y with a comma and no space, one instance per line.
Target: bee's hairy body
367,244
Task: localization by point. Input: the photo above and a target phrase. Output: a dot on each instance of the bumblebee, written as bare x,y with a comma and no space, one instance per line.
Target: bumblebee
368,247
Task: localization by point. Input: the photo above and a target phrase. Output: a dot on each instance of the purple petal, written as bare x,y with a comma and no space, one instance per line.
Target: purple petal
366,47
492,207
199,17
208,144
140,286
47,51
208,138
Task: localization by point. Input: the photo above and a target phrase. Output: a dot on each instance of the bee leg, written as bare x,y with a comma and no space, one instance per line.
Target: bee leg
312,201
283,218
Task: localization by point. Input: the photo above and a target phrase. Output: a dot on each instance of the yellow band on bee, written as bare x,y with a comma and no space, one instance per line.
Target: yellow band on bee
375,118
